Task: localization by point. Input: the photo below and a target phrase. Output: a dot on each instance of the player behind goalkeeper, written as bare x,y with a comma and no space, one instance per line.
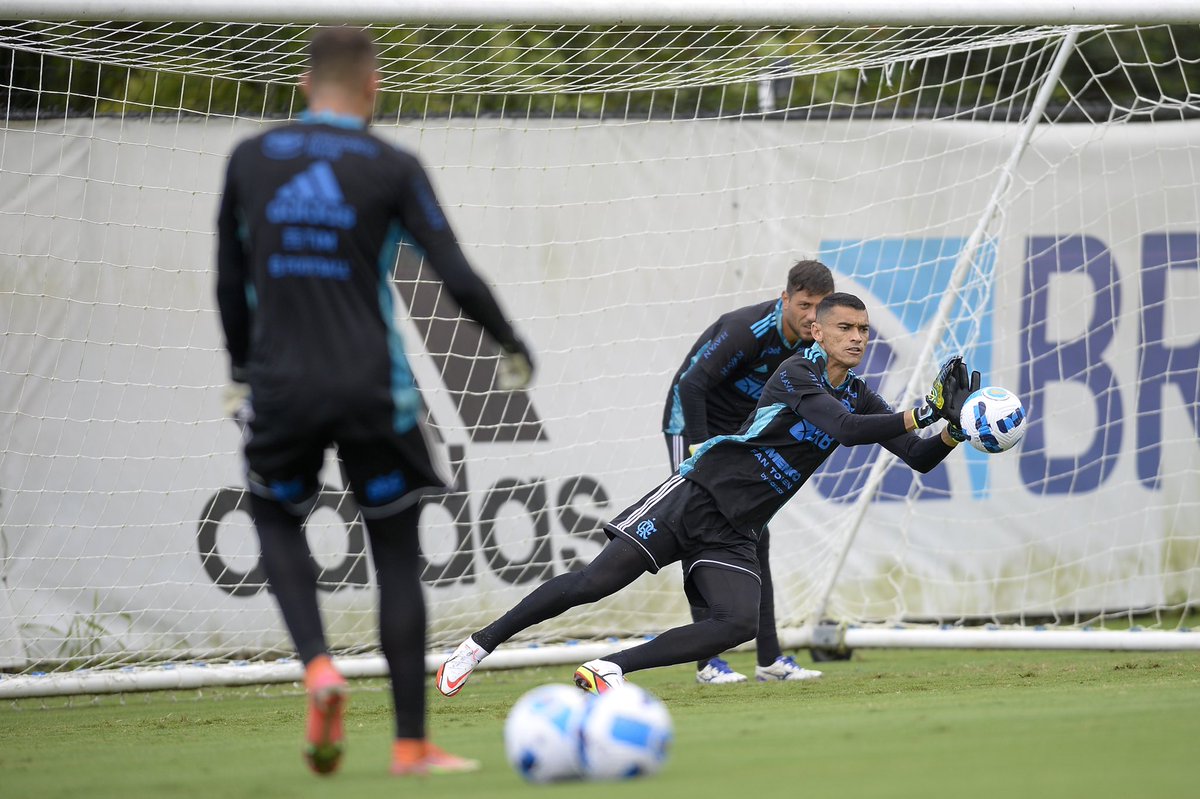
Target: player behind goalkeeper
713,392
310,220
710,513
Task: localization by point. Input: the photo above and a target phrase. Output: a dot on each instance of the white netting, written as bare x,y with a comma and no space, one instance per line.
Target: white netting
515,60
620,187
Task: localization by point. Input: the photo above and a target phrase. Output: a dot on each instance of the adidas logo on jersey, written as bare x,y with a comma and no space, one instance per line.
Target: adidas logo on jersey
313,197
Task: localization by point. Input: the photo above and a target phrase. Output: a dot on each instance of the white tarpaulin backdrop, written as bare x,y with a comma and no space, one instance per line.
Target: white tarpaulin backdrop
613,245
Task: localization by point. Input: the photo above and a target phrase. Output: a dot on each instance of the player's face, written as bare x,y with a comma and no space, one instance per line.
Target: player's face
843,334
799,312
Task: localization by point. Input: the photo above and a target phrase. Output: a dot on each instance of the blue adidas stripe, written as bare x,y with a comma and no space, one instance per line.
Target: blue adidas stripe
762,417
763,326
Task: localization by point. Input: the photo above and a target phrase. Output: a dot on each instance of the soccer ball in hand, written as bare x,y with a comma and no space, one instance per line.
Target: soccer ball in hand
542,733
994,419
626,733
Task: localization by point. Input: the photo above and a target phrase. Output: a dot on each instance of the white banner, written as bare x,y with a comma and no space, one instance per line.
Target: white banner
614,245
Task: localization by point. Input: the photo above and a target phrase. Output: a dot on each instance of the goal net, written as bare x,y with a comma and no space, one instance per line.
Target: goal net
1028,195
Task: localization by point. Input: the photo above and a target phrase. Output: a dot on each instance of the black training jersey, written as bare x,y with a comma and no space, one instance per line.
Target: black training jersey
310,221
800,420
729,365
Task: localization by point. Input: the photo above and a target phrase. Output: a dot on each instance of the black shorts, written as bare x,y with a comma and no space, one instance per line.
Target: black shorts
387,470
678,520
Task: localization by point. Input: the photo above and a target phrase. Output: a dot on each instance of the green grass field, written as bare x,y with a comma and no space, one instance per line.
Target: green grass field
1018,725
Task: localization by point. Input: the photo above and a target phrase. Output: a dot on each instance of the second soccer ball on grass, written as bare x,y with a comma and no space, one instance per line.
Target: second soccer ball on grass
627,733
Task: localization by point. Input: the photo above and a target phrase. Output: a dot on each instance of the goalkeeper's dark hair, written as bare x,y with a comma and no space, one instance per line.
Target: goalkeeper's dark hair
811,276
343,55
839,299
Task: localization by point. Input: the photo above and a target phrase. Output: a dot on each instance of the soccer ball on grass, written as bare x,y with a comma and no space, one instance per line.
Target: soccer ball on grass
542,733
626,733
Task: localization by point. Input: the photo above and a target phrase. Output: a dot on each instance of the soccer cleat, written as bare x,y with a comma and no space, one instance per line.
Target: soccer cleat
598,676
439,761
327,697
452,675
784,668
718,672
419,758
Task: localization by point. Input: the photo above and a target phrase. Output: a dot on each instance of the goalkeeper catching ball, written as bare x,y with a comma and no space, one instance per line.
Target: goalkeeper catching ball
710,513
713,391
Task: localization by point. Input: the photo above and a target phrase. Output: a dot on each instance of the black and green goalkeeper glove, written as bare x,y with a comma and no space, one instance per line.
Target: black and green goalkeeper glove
947,395
940,393
955,393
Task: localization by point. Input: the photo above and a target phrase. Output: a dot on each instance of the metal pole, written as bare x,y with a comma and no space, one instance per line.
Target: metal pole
966,257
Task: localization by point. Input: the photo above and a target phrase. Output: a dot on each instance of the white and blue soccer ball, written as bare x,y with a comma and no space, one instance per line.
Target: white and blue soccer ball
543,733
627,733
994,419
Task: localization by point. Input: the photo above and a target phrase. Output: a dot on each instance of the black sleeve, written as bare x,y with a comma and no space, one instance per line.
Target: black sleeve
694,402
423,217
232,277
850,429
920,453
728,346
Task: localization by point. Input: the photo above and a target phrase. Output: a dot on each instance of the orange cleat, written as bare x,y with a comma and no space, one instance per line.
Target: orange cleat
419,758
327,696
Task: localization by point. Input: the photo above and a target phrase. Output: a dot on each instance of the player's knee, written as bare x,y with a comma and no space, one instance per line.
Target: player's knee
744,627
738,625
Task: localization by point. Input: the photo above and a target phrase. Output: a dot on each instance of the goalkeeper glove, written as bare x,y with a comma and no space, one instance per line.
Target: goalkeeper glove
935,401
955,432
236,402
954,395
946,396
923,416
515,370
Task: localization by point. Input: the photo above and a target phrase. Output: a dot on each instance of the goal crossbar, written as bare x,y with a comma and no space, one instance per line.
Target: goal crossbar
626,12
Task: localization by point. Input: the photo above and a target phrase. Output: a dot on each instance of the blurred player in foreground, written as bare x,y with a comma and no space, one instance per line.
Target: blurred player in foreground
713,392
710,513
310,220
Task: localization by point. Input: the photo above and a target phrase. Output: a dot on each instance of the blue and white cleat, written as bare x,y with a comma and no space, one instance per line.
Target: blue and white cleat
718,672
784,668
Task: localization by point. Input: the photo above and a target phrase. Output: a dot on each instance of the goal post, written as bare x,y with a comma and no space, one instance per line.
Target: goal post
1016,182
967,259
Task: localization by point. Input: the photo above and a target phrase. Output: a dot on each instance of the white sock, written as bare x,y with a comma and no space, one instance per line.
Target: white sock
478,653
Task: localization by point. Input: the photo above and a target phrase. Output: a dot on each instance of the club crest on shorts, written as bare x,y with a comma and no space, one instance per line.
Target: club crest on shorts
646,528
